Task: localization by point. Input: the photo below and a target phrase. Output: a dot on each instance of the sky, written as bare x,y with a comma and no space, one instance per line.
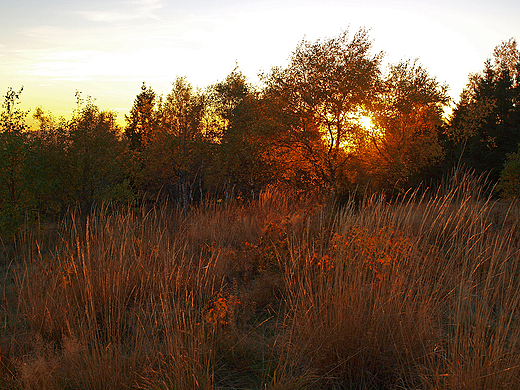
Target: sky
107,48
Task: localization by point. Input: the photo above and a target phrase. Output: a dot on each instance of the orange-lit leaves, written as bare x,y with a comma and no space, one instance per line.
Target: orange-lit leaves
379,250
221,309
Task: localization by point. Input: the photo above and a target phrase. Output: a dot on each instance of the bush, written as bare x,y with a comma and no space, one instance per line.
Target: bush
509,184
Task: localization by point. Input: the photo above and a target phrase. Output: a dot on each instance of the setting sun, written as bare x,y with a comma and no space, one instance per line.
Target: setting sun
366,123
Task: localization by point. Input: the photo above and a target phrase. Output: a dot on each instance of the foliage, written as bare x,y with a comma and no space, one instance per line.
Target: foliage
303,130
249,278
244,163
323,87
142,121
170,158
485,126
95,159
509,184
14,150
48,162
62,164
408,117
183,115
12,120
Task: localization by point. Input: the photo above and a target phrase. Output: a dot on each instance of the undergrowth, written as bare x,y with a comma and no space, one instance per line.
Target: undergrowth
279,293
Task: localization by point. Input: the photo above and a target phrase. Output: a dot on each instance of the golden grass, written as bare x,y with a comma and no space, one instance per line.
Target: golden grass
281,293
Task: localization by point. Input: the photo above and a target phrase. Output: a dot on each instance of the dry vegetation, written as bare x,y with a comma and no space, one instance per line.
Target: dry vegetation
282,293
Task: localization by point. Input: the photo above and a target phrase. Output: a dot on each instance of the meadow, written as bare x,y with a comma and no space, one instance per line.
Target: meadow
283,292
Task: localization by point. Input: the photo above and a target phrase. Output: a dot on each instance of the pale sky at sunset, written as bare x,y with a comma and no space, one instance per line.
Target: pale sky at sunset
107,48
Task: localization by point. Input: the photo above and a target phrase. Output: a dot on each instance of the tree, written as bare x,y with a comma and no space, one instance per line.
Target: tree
324,86
14,147
142,121
96,159
175,159
485,125
168,142
244,162
506,57
408,117
12,120
50,165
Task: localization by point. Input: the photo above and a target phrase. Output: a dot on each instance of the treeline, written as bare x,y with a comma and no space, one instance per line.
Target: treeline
332,121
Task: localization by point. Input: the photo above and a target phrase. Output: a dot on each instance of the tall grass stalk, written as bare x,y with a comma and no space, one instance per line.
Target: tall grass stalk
420,293
279,293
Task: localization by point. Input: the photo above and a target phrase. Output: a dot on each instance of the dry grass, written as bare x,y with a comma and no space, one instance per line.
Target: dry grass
281,293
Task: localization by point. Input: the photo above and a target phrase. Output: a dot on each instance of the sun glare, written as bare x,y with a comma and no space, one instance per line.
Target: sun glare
368,130
366,123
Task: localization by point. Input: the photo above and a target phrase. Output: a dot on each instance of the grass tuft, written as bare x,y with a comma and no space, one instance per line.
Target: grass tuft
280,293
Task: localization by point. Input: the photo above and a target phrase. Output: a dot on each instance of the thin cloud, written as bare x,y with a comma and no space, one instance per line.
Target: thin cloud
139,9
45,32
90,64
66,65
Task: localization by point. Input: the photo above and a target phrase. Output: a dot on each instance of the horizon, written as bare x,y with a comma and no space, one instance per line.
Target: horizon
108,49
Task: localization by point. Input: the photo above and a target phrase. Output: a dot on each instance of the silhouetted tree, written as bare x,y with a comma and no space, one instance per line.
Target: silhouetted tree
176,157
485,126
169,140
12,119
244,163
14,147
49,165
96,159
142,127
